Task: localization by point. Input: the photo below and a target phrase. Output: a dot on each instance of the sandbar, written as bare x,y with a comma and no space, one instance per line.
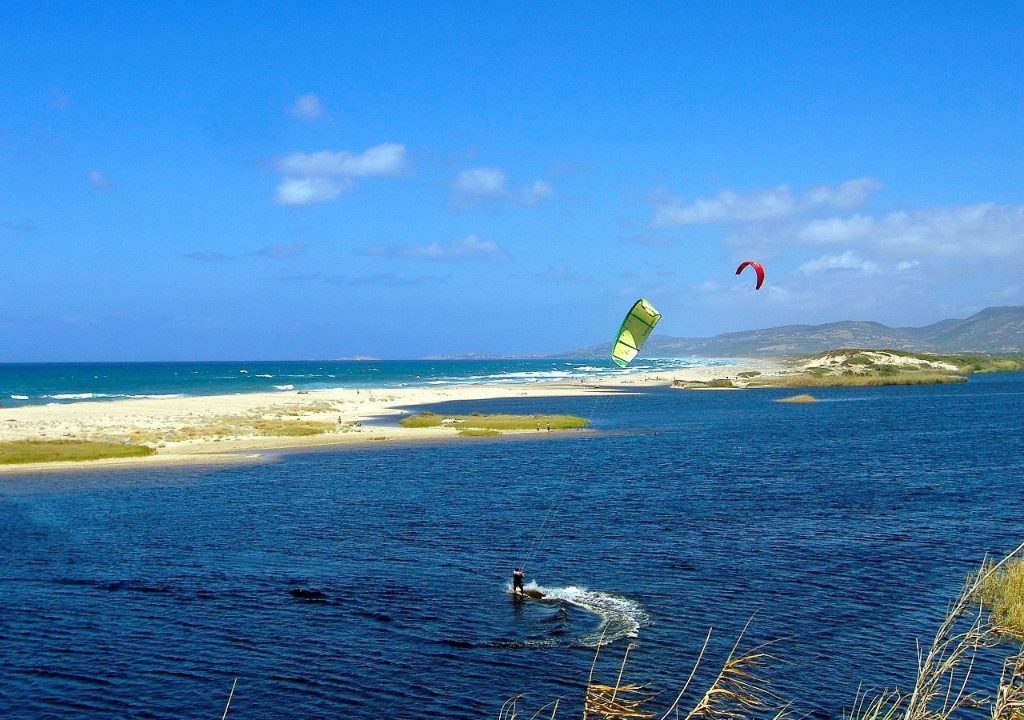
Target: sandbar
190,430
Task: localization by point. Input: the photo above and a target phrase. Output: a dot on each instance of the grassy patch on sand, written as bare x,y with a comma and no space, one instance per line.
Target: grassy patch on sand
292,428
478,432
859,380
309,409
991,363
230,426
495,423
42,451
716,384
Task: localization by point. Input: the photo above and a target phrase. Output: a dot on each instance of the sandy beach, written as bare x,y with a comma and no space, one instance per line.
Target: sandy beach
198,429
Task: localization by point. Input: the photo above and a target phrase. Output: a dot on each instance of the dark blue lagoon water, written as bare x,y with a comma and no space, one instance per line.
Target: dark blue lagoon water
843,527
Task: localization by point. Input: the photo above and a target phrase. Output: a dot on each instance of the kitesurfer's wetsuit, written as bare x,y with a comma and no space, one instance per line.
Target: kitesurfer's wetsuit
517,580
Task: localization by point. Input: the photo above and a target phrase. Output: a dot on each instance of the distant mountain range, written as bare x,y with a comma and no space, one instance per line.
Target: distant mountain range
992,330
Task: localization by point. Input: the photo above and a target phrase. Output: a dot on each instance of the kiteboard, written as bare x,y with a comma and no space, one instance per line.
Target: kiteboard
527,593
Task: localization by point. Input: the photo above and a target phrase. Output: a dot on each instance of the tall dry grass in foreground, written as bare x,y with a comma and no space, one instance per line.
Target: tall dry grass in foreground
942,686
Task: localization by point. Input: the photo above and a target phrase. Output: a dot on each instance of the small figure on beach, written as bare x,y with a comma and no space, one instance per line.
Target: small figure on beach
517,580
549,427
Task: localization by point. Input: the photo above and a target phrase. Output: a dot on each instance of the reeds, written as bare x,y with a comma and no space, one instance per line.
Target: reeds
614,702
739,691
1008,703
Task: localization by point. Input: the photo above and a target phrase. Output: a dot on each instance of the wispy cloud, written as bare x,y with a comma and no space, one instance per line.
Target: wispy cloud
380,160
770,204
99,181
481,182
25,226
312,178
281,250
848,260
307,108
477,185
982,230
310,190
834,230
844,196
471,247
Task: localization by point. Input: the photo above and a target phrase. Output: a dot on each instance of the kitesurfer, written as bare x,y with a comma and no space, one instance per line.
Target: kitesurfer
517,580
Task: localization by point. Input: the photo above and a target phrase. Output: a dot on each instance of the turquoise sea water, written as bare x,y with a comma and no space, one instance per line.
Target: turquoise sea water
843,528
42,383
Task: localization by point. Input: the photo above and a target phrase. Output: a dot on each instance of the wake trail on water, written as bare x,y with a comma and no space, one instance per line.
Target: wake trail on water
619,617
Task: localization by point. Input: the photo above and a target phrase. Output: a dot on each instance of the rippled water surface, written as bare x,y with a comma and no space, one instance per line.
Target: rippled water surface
846,526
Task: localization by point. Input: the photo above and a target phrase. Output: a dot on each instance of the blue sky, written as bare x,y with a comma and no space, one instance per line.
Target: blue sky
401,180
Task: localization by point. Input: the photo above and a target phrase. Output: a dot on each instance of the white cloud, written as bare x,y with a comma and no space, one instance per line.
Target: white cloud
312,178
488,184
99,180
728,207
828,231
972,230
844,196
771,204
310,190
849,260
380,160
307,108
471,247
983,230
537,192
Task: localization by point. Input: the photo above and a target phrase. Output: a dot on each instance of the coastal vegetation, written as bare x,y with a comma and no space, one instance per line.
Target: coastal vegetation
228,426
1002,592
474,423
945,686
813,380
903,365
478,432
866,368
716,384
40,451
